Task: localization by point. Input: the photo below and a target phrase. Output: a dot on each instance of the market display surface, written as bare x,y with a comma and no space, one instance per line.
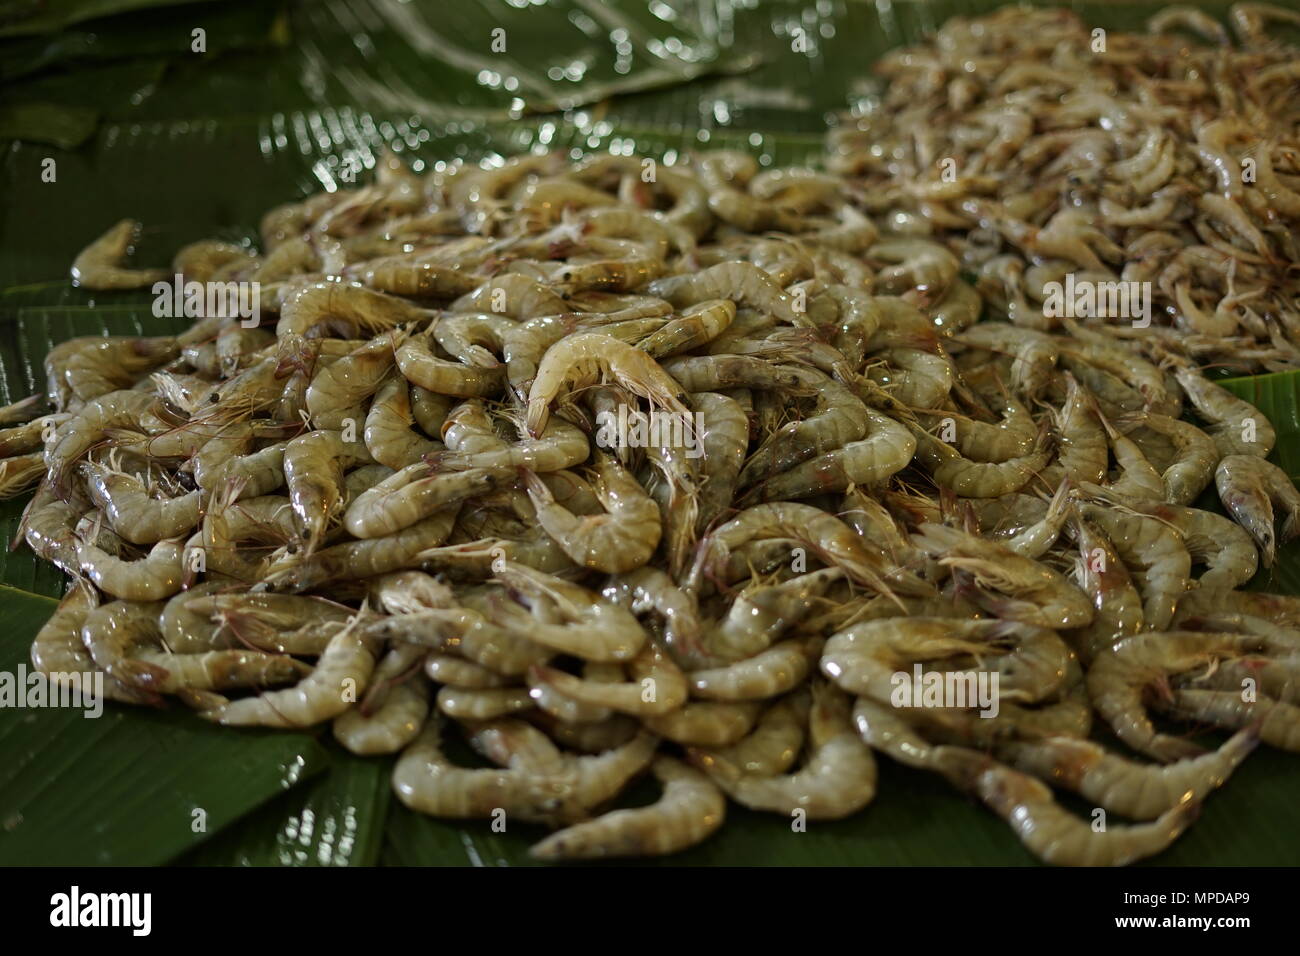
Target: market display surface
710,473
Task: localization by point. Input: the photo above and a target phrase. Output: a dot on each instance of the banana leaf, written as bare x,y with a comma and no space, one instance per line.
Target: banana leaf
203,147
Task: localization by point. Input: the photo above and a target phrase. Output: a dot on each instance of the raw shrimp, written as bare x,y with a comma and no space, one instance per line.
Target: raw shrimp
838,777
61,655
389,435
313,471
1035,594
706,723
338,679
425,780
99,265
1120,675
759,615
1249,487
774,744
158,575
421,367
82,369
1237,427
1155,555
690,809
132,513
584,359
769,673
620,540
412,495
561,445
1101,574
1137,791
1278,724
971,479
656,685
743,283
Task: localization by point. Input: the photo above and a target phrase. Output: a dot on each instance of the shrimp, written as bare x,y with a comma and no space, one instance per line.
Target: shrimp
971,479
706,723
591,627
1121,675
1058,837
99,265
1249,487
412,495
61,655
92,424
560,446
458,672
887,450
157,576
838,777
1032,663
82,369
389,435
483,704
323,302
690,809
125,640
774,744
426,781
769,673
1278,724
724,440
1137,791
618,541
1155,554
698,325
1035,594
1196,457
1100,573
757,617
657,685
21,474
647,589
1189,18
467,335
743,283
313,471
421,367
132,513
338,389
824,535
924,266
1237,427
584,359
341,674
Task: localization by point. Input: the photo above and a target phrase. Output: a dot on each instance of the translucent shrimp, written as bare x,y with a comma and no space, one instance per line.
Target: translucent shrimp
760,615
514,296
483,703
412,495
1032,663
389,435
917,264
584,359
99,265
21,474
1155,555
422,276
1137,791
339,388
971,479
698,325
1101,574
1057,836
887,450
1277,723
1196,456
690,809
1227,551
85,368
1249,487
61,655
1034,593
769,673
442,377
743,283
313,471
588,626
774,744
838,777
132,513
158,575
650,589
322,302
340,675
458,672
561,445
620,540
125,640
1083,453
427,781
839,418
91,425
1237,427
724,440
706,723
1120,676
359,559
656,685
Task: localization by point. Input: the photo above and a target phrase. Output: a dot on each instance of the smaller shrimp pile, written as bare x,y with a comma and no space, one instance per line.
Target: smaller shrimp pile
1044,156
613,476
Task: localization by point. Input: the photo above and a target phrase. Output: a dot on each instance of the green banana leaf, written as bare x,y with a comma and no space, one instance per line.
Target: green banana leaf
198,147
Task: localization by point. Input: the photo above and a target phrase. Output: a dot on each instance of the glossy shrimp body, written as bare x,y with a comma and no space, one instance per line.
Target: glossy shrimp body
99,266
620,540
690,809
1249,487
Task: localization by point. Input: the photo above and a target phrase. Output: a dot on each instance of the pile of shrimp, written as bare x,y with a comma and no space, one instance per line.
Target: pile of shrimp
1023,146
425,501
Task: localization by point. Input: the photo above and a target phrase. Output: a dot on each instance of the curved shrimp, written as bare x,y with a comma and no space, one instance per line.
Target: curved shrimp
99,265
690,809
1249,487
